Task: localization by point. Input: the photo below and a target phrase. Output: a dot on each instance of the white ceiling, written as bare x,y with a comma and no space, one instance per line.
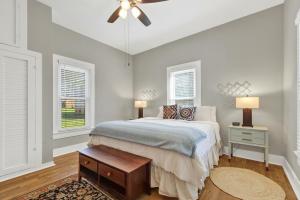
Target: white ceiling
171,20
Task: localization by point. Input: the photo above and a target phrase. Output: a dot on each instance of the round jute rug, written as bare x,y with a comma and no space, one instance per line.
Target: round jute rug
246,184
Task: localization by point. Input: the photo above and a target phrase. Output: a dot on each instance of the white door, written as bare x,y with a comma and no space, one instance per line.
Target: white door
13,23
17,112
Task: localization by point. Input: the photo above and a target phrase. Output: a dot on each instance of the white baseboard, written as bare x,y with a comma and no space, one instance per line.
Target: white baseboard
27,171
69,149
56,152
274,159
257,156
294,181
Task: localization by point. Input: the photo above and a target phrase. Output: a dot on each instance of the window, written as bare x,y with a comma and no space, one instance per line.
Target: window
297,152
184,84
73,97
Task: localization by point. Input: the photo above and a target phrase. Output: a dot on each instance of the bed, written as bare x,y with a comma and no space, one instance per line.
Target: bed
175,174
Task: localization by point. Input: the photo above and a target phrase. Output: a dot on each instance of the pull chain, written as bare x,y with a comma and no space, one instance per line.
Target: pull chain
127,41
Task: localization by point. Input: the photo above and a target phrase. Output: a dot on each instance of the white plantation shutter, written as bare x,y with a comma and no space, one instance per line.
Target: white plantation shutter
184,85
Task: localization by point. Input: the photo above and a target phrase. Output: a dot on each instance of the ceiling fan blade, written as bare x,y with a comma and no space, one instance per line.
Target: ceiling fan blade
143,18
151,1
114,16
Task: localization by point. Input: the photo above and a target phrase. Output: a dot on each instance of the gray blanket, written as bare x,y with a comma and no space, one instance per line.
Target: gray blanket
180,139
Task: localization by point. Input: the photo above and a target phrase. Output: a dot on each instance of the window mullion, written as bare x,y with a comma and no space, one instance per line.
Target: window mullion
73,98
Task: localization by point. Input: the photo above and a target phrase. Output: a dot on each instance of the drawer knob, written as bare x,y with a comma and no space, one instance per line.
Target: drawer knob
246,133
86,162
249,140
108,174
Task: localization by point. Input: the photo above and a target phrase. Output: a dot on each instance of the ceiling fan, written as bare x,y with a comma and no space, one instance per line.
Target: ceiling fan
127,5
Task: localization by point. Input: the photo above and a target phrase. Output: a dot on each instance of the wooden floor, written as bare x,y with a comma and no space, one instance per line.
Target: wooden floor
67,165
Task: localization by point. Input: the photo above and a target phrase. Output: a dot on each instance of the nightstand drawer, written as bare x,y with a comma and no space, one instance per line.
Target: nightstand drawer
249,134
247,139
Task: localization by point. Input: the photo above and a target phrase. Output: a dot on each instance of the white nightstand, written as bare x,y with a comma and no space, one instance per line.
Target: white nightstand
256,136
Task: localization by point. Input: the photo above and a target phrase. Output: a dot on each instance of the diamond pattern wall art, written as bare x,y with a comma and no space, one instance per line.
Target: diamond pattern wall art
148,94
235,89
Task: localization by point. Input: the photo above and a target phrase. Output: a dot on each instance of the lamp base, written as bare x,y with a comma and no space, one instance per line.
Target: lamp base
247,117
141,113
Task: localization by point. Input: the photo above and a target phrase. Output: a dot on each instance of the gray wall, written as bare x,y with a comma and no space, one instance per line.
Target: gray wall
113,82
249,49
291,8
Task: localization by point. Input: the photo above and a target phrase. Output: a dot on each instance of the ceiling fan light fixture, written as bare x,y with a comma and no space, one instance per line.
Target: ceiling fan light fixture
123,13
135,12
125,4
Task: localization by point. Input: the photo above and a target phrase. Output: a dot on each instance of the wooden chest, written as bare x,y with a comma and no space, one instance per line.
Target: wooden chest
124,175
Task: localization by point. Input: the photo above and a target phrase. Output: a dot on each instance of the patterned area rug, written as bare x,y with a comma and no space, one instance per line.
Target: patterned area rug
68,189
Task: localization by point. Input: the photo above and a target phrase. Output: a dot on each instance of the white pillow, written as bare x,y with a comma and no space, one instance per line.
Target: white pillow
206,113
161,112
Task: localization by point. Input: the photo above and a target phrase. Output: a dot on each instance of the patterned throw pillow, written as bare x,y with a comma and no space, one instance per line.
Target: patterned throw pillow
170,112
187,113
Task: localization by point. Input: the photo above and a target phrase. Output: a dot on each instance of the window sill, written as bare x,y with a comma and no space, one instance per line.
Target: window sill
61,135
297,153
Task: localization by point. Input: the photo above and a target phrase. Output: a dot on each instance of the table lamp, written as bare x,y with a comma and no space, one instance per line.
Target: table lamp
247,104
140,105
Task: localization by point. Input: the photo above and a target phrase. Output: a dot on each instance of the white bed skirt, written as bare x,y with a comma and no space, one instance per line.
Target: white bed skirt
168,183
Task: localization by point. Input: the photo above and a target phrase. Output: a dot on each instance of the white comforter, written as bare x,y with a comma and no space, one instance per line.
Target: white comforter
190,170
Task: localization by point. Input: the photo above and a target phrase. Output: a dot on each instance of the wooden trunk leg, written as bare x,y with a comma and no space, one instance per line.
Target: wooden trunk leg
129,187
79,176
148,179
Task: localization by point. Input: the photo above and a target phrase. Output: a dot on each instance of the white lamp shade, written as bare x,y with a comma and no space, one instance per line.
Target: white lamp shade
140,104
247,102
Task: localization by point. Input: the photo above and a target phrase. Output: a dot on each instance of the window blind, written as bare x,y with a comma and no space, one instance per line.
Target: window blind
73,96
184,85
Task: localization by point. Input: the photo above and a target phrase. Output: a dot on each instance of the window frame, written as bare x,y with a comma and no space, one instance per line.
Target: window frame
75,65
191,66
